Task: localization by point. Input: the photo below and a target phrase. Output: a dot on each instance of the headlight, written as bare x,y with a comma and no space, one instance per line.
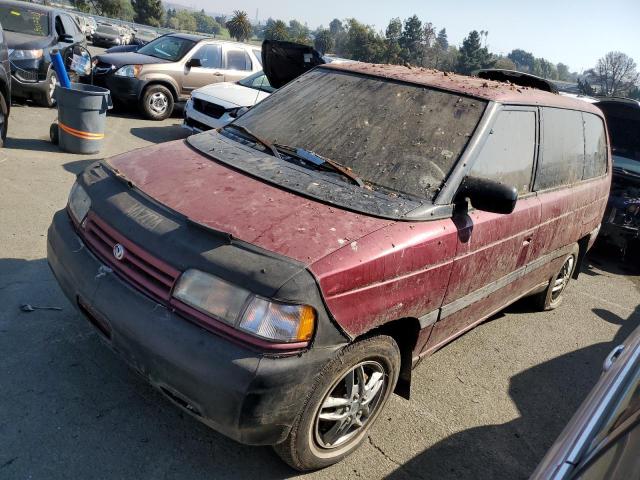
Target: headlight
130,71
26,54
79,203
243,310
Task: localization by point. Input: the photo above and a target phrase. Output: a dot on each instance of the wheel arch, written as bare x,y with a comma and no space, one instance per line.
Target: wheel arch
405,332
165,83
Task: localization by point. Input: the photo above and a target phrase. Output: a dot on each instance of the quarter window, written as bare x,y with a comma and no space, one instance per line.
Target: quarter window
210,56
562,159
508,154
595,146
238,60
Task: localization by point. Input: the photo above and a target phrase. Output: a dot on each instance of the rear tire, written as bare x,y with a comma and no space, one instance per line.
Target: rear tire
157,102
348,395
552,296
4,119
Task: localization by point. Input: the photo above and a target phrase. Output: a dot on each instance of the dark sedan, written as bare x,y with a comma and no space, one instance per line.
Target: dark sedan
32,32
108,36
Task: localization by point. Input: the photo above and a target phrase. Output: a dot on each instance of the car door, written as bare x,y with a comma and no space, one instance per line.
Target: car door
237,63
210,69
493,249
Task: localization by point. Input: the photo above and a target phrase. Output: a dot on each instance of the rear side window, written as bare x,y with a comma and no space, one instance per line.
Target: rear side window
562,159
595,146
238,60
210,56
508,154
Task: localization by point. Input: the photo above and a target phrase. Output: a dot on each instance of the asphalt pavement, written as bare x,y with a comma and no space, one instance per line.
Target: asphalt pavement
487,406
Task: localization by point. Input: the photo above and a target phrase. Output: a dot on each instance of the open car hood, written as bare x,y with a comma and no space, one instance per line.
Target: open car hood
284,61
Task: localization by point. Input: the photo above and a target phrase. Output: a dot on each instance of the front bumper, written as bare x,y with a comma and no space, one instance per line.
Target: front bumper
246,395
125,89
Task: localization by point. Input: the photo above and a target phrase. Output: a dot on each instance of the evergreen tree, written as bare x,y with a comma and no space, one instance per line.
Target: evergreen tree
148,12
472,55
411,40
323,41
442,41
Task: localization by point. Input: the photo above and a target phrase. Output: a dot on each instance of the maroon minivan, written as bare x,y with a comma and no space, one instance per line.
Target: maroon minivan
280,277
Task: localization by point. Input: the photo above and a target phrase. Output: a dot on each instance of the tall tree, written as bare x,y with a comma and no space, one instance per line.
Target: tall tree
442,40
362,42
336,27
148,12
616,74
563,72
472,55
323,41
239,26
392,37
298,32
412,39
524,60
545,69
276,30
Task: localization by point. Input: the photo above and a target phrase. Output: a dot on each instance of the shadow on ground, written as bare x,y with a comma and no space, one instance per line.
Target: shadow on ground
34,144
70,408
546,396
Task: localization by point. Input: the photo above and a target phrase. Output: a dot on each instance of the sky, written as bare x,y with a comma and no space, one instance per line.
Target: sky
575,32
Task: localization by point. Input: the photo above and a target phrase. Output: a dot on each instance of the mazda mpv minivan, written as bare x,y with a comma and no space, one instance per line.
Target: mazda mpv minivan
280,277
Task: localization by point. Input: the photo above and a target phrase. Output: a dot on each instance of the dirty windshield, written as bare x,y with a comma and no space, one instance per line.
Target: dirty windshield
401,137
20,19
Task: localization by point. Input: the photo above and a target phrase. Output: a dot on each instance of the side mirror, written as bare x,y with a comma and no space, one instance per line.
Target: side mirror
194,62
488,195
66,38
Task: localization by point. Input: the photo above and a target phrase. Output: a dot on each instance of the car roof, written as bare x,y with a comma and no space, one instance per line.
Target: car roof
491,90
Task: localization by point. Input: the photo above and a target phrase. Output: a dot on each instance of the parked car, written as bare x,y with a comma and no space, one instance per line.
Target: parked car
602,440
167,69
85,26
280,277
142,36
621,226
5,88
32,32
92,26
217,104
108,35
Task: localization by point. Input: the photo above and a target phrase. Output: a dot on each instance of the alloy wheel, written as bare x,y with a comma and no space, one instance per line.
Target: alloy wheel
561,280
350,404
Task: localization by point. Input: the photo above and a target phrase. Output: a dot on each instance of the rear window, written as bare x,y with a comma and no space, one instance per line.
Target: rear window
398,136
595,146
108,30
562,159
24,20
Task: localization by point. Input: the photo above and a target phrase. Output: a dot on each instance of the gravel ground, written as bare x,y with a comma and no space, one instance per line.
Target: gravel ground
487,406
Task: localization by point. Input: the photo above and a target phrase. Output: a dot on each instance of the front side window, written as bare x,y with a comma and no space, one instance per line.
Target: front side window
14,18
238,60
508,154
398,136
562,159
168,48
210,56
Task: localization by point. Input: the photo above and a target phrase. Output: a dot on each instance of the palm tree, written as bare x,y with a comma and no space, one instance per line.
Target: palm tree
239,26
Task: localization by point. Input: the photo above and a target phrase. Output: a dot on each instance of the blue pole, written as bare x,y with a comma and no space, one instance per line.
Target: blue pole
61,72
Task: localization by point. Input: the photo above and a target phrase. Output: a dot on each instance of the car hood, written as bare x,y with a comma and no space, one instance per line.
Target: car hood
128,58
284,61
23,41
230,95
225,200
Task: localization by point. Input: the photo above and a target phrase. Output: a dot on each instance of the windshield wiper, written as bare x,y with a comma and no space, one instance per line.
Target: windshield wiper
320,161
257,139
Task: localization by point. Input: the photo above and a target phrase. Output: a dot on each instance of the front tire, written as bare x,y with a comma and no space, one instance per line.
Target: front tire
47,97
157,102
345,401
4,119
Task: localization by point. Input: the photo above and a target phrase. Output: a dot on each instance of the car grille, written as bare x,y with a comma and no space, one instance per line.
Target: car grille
210,109
145,272
102,68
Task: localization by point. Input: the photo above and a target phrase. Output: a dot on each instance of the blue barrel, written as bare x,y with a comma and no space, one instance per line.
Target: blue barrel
82,113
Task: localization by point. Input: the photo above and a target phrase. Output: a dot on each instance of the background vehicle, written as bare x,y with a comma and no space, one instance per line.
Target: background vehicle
621,225
142,36
31,33
92,25
602,440
216,105
85,26
5,88
109,35
169,68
